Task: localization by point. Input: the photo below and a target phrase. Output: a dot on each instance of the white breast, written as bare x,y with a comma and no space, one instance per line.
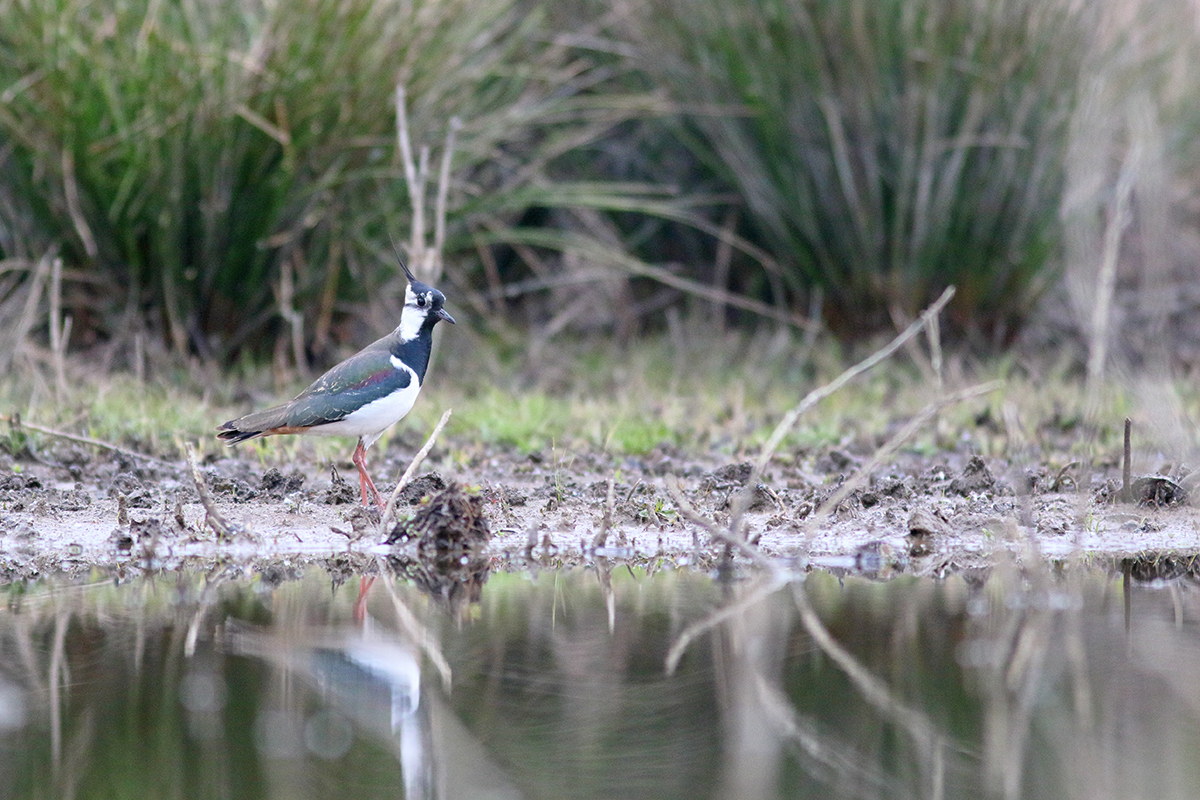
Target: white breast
375,417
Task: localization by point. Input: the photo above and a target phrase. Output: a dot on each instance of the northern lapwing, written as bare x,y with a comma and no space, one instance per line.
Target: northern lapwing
364,395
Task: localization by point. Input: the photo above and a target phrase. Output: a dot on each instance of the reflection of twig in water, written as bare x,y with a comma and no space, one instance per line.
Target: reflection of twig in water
414,629
604,575
390,510
904,434
875,691
57,666
1013,690
742,499
768,585
789,724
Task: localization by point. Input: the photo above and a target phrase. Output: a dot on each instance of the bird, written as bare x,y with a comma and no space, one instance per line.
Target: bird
364,395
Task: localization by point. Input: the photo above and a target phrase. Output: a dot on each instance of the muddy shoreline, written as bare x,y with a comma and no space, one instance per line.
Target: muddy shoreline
72,508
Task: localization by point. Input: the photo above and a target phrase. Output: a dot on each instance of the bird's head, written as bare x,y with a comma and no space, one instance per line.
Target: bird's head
425,302
423,307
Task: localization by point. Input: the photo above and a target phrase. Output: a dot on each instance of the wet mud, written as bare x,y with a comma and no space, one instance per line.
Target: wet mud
70,508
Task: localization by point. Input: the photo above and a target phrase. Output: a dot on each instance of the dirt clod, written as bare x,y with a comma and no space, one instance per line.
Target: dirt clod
975,477
923,522
452,519
1158,490
731,476
19,481
421,487
276,485
339,492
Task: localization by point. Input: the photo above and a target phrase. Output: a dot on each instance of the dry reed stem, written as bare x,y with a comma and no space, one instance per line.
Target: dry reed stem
439,209
390,509
74,207
29,312
742,500
1119,217
285,296
416,196
17,422
712,293
426,260
721,266
934,334
60,331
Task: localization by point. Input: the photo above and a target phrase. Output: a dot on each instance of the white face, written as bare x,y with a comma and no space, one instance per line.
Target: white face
416,307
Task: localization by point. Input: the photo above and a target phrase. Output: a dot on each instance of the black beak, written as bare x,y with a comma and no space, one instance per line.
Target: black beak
441,314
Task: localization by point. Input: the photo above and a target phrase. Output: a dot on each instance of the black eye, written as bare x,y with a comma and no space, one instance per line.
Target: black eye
420,301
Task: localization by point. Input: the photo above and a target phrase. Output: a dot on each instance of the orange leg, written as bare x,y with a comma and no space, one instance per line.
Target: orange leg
364,480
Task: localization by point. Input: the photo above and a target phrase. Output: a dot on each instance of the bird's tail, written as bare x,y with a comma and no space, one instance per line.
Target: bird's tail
260,423
232,435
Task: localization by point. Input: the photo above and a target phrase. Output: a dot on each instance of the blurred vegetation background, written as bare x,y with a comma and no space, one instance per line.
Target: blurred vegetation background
221,180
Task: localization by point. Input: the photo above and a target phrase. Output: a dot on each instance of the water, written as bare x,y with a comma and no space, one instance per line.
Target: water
305,681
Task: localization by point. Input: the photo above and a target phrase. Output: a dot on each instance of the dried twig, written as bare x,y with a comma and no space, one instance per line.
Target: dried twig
223,527
741,501
389,510
19,423
1126,464
710,527
893,444
606,521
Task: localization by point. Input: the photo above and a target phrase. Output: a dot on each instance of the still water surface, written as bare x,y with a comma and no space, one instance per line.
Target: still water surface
1081,680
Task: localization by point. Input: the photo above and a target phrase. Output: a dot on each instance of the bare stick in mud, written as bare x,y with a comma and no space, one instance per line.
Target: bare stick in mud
741,501
212,517
389,510
1126,465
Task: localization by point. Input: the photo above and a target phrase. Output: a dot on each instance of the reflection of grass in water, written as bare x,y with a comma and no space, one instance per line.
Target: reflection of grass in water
1026,671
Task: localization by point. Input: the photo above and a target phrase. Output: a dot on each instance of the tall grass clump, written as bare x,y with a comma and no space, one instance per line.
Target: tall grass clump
214,168
884,148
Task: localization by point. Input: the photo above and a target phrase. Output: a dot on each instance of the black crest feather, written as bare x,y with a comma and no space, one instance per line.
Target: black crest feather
403,266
